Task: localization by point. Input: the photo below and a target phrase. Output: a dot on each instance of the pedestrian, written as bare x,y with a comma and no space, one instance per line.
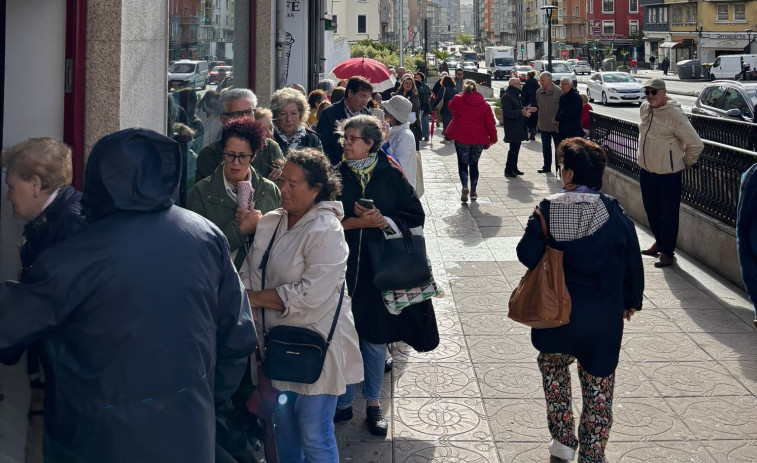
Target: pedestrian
602,294
367,173
514,115
585,116
290,130
265,117
236,103
424,95
568,117
216,199
652,59
441,101
528,98
142,318
303,288
386,94
744,69
407,90
548,100
38,174
665,65
459,79
401,142
357,94
473,130
315,99
668,144
633,65
326,85
746,234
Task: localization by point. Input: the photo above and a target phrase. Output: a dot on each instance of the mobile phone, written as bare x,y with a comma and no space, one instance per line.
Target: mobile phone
366,203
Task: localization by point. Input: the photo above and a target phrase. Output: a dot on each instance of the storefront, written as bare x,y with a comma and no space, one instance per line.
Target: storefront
713,45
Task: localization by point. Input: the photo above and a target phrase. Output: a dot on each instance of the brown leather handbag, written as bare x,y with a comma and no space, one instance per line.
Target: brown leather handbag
541,299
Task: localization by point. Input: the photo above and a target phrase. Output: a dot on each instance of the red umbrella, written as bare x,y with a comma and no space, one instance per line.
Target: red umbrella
373,70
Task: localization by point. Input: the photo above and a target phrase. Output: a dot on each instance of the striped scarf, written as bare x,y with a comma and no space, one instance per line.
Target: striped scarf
362,167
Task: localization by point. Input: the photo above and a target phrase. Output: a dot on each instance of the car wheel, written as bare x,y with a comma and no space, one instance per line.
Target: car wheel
604,98
588,95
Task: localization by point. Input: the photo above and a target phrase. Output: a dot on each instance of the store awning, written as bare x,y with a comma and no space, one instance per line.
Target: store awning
724,44
670,45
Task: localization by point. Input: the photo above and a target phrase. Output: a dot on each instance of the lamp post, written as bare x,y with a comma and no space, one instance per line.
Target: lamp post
748,40
549,9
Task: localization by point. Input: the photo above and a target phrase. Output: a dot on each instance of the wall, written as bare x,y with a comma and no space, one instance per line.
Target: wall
347,13
335,52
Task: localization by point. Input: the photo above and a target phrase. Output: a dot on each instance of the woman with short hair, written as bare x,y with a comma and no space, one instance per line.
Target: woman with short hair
290,110
408,90
315,98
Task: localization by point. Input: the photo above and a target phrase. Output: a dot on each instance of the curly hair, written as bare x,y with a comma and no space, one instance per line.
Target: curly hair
585,158
45,157
246,129
286,96
318,172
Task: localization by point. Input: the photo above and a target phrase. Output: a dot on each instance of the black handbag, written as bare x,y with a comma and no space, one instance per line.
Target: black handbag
399,263
292,353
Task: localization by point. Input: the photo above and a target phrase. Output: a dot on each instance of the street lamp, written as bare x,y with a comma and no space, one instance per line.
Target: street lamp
549,9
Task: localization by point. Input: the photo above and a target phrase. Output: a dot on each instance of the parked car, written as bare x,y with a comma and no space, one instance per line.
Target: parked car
186,73
726,98
451,62
559,70
522,71
219,73
729,66
615,87
470,66
580,67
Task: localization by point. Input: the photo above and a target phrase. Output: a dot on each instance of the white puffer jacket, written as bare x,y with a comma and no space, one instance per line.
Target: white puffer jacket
667,141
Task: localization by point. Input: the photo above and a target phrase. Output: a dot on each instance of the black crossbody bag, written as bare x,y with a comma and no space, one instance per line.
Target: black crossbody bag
292,353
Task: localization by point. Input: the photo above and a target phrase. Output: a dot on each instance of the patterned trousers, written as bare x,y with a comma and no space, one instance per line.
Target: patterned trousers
467,158
596,418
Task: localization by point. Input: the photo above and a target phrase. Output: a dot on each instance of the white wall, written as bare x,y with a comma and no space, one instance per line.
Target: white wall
347,12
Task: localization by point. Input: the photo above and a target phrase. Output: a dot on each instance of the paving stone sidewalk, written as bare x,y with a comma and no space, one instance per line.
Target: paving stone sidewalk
687,380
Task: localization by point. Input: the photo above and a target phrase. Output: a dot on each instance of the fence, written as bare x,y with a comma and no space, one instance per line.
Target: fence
712,186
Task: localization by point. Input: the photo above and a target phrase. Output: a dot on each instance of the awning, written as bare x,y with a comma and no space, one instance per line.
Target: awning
724,44
670,45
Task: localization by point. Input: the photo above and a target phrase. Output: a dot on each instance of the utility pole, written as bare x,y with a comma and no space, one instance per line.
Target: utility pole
402,34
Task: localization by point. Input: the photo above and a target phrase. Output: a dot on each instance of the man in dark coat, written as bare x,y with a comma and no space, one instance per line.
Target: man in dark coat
143,320
528,98
746,233
568,117
514,119
356,96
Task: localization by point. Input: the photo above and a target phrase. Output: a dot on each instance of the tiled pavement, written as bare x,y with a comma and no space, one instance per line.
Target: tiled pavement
687,379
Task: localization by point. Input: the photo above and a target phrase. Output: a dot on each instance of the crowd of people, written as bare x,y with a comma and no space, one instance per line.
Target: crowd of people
276,232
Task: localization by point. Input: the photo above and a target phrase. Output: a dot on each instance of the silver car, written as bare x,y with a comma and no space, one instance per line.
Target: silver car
559,70
726,98
615,87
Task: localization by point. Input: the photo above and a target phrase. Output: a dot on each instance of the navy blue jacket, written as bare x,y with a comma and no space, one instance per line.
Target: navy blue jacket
143,319
327,126
746,231
604,276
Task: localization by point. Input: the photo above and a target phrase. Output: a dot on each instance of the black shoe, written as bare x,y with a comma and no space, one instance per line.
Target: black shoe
343,414
388,364
376,423
532,138
517,172
544,170
510,174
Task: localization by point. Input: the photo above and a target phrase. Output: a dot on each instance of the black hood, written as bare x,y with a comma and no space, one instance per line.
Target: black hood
131,170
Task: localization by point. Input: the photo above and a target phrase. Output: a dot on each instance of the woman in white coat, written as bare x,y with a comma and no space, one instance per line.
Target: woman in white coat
304,280
401,139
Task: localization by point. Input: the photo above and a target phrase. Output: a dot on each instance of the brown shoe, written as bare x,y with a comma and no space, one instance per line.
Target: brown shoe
664,261
464,196
653,251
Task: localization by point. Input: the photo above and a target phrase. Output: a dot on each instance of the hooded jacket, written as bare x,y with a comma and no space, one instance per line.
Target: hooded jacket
142,317
472,120
668,142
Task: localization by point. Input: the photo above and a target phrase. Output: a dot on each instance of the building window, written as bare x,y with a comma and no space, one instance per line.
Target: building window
650,18
608,27
591,6
739,12
664,18
633,26
361,24
633,6
677,16
577,11
691,14
608,6
722,15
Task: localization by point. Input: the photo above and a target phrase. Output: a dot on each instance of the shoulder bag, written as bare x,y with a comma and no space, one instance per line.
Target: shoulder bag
399,263
541,299
440,103
293,353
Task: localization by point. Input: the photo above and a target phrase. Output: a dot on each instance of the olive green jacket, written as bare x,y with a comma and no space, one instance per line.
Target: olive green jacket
209,199
268,158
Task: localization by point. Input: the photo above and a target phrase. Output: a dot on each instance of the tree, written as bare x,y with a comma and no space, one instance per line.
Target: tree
465,39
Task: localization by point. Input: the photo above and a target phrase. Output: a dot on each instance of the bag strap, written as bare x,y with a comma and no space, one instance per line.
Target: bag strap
537,213
336,315
264,265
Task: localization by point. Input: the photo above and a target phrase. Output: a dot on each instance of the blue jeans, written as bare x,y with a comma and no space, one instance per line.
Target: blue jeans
424,124
547,139
304,428
374,357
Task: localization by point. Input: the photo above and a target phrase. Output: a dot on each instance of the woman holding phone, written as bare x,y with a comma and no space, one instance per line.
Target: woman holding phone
376,198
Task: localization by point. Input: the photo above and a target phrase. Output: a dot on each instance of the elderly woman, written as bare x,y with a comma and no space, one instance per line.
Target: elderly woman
304,281
367,173
401,144
605,279
215,197
290,109
39,173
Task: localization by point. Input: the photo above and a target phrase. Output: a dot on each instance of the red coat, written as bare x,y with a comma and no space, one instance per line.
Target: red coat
472,120
585,115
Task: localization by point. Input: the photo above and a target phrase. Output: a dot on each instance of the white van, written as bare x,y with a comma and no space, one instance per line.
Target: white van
186,73
728,66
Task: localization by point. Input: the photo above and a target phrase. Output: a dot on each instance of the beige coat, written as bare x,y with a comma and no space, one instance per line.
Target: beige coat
306,267
668,142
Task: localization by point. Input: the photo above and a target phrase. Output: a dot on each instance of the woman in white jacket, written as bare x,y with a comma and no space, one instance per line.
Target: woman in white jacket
401,139
304,280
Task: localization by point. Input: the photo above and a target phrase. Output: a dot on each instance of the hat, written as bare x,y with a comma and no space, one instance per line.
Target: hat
657,84
399,107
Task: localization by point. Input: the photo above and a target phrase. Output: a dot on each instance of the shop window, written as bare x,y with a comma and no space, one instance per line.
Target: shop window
739,12
722,13
608,27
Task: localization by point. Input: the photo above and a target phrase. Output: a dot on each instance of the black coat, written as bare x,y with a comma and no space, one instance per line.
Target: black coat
569,115
143,320
528,93
513,120
396,199
327,126
310,140
447,93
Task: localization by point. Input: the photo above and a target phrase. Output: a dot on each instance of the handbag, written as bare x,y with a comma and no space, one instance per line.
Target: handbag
440,103
541,299
399,263
292,353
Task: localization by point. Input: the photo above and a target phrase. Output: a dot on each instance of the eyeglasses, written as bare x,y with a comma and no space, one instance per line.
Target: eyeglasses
236,114
351,140
243,158
651,92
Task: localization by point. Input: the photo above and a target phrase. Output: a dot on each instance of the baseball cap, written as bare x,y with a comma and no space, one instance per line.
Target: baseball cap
657,84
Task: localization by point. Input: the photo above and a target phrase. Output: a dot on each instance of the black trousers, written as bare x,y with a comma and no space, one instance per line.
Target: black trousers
661,195
512,157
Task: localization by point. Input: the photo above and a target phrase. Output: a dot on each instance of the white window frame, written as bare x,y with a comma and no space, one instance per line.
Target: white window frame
633,26
664,15
743,13
608,11
719,11
650,12
605,24
637,6
591,6
357,24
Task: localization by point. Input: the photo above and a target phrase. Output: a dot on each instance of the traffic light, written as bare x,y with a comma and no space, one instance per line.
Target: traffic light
521,50
595,48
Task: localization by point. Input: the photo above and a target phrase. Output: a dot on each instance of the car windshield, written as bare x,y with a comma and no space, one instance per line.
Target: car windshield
560,67
504,61
619,78
752,94
183,68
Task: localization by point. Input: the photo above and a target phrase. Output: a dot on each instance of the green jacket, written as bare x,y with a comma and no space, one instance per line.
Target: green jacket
268,158
209,199
424,94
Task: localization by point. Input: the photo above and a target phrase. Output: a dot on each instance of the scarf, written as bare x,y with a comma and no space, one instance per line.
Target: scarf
572,188
362,168
294,142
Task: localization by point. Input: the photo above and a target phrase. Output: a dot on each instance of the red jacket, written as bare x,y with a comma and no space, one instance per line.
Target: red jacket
472,120
585,116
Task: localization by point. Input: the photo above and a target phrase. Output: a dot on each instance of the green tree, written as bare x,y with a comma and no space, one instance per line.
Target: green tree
465,39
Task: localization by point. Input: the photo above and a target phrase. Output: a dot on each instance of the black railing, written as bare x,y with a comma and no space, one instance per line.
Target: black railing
726,131
712,187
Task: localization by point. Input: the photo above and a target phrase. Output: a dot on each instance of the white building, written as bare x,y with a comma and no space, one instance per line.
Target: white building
357,19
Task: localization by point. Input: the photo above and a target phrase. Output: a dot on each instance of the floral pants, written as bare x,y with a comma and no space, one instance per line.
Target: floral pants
467,158
596,418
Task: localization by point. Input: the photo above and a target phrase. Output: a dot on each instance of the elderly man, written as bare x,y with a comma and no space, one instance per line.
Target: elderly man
568,117
143,321
387,94
235,103
514,118
357,94
548,101
668,144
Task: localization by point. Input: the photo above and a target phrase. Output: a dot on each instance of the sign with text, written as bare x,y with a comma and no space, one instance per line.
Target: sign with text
295,51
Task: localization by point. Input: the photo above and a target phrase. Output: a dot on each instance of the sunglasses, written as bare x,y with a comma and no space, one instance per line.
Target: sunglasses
651,92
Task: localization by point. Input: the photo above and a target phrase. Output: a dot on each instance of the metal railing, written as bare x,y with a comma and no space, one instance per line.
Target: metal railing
712,187
726,131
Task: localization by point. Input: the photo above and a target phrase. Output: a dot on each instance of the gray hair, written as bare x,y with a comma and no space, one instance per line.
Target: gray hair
513,80
237,94
285,96
327,85
369,127
566,79
546,74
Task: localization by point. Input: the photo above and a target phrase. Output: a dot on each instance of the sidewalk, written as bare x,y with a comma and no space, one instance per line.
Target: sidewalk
687,378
